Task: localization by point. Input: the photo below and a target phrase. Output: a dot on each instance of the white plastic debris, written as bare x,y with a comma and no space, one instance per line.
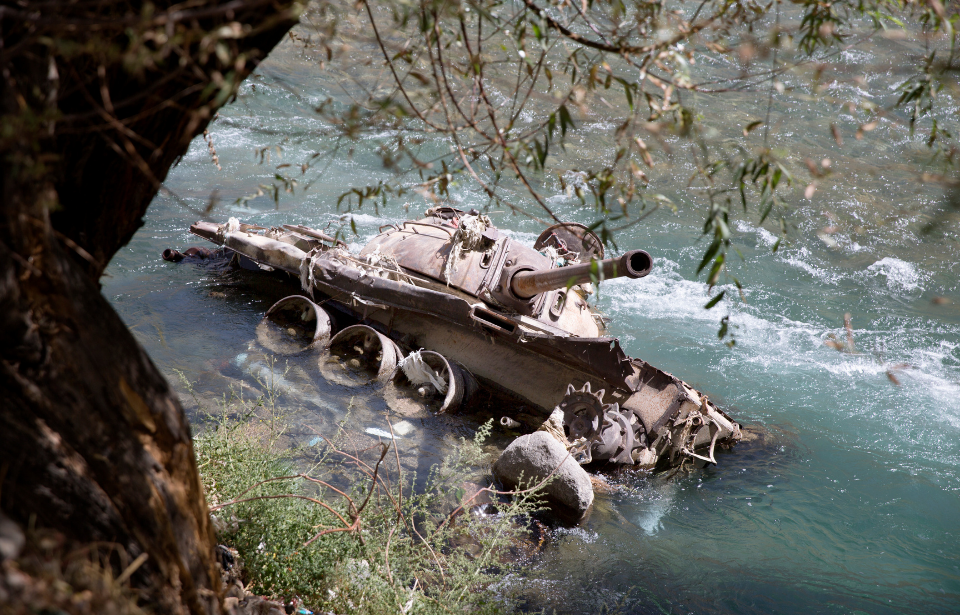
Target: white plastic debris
418,372
231,226
380,433
307,280
552,253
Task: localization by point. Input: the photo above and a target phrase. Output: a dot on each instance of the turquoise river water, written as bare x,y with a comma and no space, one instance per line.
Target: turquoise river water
849,500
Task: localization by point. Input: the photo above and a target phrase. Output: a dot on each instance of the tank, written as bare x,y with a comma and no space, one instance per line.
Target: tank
451,305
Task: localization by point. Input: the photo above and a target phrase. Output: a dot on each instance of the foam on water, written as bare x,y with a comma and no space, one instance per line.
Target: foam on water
521,236
583,535
792,354
654,507
367,220
901,275
661,294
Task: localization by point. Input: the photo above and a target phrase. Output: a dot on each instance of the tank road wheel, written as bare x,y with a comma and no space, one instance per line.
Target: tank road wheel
294,324
428,378
368,356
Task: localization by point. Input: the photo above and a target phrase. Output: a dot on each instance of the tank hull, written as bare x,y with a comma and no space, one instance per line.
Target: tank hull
521,350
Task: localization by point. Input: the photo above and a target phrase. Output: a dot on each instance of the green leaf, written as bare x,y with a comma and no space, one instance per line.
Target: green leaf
710,253
565,120
751,126
542,151
628,92
776,178
724,231
714,302
715,270
766,210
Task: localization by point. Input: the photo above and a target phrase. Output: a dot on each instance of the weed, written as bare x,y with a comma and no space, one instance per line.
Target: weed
342,537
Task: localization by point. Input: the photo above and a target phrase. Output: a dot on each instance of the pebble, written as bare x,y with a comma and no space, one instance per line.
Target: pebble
403,428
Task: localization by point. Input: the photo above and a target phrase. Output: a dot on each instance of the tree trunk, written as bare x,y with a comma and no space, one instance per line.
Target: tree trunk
98,101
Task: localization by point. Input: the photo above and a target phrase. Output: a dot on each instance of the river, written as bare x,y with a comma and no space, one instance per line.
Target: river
848,502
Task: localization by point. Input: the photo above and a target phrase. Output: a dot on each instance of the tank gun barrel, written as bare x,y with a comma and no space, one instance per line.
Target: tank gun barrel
530,283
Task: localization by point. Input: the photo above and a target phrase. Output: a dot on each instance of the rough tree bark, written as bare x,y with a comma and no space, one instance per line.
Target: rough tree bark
98,99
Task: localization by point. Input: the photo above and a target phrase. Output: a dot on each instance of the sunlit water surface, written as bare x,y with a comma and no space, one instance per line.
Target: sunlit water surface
849,500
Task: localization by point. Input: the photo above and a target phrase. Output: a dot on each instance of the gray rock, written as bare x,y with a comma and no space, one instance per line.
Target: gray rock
532,457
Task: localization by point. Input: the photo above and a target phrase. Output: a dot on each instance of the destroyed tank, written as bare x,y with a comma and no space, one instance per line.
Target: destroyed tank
451,305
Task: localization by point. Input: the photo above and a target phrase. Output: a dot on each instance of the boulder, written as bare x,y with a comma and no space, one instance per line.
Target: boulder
532,457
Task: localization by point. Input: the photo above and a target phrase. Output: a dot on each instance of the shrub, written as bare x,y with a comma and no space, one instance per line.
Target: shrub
341,537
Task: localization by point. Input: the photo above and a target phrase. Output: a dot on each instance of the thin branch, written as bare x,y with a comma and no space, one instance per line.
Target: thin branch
536,487
618,49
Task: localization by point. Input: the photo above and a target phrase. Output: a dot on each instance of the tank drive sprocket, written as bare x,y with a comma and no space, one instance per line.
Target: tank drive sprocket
583,412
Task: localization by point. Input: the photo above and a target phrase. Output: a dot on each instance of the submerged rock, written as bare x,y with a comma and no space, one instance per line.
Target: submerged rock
533,457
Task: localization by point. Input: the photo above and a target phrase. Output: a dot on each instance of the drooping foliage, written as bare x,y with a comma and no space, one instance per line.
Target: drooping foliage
516,87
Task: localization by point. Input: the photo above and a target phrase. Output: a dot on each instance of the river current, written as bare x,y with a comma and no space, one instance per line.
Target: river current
848,502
